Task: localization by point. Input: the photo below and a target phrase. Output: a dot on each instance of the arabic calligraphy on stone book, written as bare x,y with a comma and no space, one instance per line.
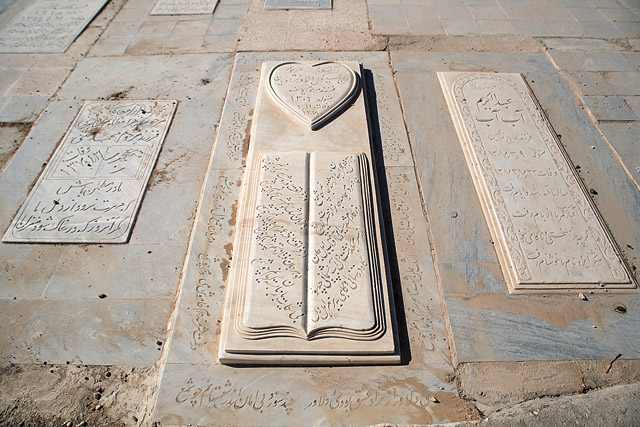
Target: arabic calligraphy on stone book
311,272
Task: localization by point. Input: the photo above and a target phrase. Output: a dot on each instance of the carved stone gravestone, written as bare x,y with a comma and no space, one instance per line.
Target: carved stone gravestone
308,281
298,4
547,231
48,25
92,187
184,7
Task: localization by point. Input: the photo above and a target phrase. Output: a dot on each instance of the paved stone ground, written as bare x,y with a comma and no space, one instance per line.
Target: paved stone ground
143,353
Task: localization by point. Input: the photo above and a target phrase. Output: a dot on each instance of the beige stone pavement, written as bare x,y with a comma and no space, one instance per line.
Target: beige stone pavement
145,353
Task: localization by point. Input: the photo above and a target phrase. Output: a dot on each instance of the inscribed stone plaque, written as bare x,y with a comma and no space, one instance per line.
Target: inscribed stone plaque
609,108
308,281
298,4
547,232
48,25
184,7
92,187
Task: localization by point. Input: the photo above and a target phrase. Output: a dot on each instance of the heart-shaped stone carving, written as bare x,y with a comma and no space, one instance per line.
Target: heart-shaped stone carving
312,92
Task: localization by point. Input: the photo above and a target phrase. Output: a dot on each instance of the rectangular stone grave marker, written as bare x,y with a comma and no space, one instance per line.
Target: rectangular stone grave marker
297,4
92,187
308,281
48,25
547,232
184,7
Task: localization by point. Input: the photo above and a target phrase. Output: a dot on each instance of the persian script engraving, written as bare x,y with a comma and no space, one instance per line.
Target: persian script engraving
91,189
298,4
184,7
313,93
48,25
548,233
310,271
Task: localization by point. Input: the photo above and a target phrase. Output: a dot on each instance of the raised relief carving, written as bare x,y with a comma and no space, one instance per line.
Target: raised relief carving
308,282
312,93
548,233
310,270
184,7
48,25
91,189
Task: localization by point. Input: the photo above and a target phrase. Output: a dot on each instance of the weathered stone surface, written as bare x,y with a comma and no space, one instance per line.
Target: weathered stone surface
609,108
308,282
184,7
297,4
48,25
93,185
547,232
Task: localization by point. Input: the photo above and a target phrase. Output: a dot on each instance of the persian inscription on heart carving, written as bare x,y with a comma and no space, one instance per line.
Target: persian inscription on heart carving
92,188
314,94
548,234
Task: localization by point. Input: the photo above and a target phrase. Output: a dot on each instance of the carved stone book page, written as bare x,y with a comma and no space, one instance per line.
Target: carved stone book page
548,233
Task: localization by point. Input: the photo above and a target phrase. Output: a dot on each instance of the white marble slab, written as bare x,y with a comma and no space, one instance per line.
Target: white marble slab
48,25
298,4
547,232
92,187
308,281
184,7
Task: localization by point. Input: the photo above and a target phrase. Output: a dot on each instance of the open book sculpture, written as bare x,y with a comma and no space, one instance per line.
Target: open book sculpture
308,281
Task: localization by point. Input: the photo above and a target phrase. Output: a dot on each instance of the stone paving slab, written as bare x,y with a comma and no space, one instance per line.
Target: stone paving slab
191,365
512,327
460,17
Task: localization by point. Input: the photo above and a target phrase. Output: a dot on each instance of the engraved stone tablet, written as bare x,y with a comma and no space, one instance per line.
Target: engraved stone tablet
547,232
298,4
308,281
313,93
92,187
48,25
184,7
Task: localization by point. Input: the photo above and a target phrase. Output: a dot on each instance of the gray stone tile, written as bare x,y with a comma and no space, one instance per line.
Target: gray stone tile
532,28
150,77
494,13
388,19
591,83
609,108
619,15
587,14
461,27
19,278
627,29
449,12
602,30
11,136
39,82
122,272
83,331
496,27
23,108
623,138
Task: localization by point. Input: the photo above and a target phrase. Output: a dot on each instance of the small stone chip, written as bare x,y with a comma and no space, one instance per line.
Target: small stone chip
583,297
434,399
102,296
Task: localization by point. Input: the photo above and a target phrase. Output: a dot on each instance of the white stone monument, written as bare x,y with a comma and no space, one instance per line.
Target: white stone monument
548,234
92,187
184,7
308,281
297,4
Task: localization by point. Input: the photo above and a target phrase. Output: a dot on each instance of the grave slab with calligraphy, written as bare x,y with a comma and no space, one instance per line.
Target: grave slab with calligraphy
48,26
547,232
308,281
91,189
297,4
184,7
